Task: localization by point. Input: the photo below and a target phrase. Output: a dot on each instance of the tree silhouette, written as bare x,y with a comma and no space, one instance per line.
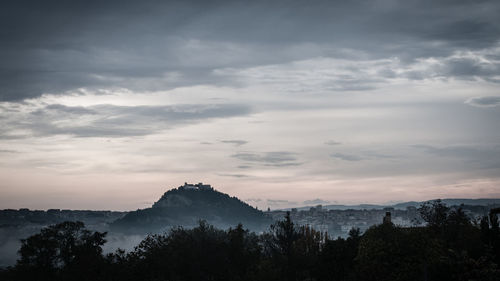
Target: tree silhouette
65,249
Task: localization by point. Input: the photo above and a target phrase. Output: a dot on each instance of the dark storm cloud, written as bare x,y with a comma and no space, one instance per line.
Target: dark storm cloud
57,46
484,101
474,32
114,121
274,158
466,67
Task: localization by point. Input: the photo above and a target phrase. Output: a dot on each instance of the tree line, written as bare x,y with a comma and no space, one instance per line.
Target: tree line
451,246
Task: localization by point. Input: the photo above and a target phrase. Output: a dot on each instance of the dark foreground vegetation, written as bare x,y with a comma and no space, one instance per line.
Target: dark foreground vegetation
450,247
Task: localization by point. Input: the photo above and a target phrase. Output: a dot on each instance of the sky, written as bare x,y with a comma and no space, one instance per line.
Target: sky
108,104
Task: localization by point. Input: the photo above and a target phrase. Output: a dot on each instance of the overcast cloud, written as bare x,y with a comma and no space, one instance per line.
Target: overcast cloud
346,101
52,47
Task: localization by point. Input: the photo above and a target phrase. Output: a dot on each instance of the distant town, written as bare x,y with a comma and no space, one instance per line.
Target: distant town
340,222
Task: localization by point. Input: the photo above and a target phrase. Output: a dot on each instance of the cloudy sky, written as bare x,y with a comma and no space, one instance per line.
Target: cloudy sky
107,104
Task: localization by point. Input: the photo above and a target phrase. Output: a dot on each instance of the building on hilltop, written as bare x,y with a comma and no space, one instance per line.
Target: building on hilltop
196,186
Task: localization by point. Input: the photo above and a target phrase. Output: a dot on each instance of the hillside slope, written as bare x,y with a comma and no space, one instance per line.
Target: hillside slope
186,205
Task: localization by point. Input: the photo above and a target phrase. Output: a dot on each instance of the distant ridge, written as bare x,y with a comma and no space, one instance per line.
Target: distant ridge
404,205
188,204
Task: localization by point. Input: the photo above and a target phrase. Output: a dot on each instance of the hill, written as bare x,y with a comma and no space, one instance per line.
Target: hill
188,204
404,205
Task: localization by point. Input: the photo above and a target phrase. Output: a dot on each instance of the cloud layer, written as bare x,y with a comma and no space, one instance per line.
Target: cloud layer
109,120
148,46
484,101
286,101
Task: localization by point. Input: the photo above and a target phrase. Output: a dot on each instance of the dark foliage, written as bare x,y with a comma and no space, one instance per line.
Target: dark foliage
450,247
65,251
